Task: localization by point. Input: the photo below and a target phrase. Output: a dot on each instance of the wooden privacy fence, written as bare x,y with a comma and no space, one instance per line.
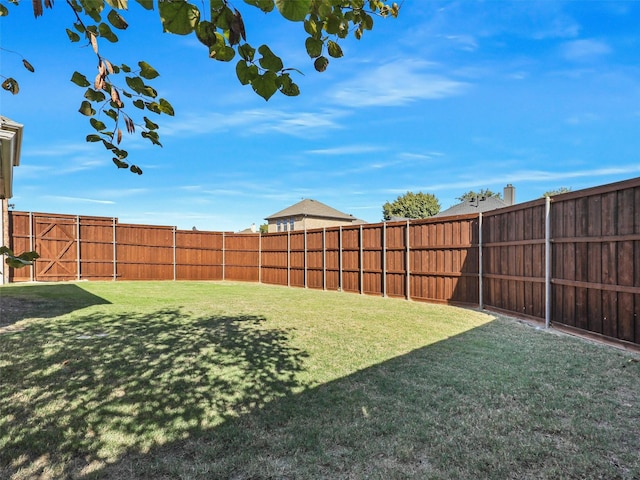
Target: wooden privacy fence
573,259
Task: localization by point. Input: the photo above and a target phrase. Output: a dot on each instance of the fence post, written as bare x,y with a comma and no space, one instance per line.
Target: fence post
31,246
174,255
407,260
547,262
480,268
223,259
305,257
288,258
384,259
324,258
259,257
115,250
78,266
340,288
360,241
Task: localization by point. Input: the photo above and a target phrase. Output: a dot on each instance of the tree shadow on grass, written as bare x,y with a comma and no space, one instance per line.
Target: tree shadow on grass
79,393
43,301
495,402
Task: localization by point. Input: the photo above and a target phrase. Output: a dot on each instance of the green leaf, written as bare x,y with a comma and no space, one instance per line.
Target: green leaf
314,47
265,85
73,36
117,21
166,107
120,164
147,71
178,16
152,136
247,52
3,11
94,96
246,73
136,169
222,17
138,104
265,5
321,64
93,138
107,33
287,87
224,54
269,61
112,114
294,10
80,79
86,109
97,124
313,27
150,125
334,49
125,68
206,33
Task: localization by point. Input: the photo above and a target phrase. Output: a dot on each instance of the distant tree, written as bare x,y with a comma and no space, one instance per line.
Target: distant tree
485,192
264,228
412,205
557,191
116,98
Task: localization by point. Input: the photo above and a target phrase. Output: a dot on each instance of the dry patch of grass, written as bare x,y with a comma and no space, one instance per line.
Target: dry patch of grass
222,380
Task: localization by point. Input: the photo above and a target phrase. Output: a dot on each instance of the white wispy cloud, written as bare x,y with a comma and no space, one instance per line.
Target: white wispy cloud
584,50
523,176
397,83
346,150
62,198
255,122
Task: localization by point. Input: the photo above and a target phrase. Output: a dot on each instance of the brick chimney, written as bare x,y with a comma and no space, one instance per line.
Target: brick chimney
509,194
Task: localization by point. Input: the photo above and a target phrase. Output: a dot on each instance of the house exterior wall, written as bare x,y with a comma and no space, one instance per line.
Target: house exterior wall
300,222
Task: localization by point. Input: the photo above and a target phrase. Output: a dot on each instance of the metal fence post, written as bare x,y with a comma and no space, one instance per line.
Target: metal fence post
361,261
288,259
115,250
31,246
259,257
547,262
78,266
407,262
480,268
174,255
340,287
384,259
324,258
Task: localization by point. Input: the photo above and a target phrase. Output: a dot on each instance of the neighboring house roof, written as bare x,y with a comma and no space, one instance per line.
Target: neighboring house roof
10,146
311,208
484,204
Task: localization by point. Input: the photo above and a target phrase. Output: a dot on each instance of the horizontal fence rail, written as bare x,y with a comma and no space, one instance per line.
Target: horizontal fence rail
573,259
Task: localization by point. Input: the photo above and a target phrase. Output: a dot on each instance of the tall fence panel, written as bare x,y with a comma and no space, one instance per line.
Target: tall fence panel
145,252
443,259
242,257
513,245
275,259
596,260
199,255
97,253
396,273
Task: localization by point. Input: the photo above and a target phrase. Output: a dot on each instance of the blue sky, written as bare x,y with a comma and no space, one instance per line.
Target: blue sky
449,97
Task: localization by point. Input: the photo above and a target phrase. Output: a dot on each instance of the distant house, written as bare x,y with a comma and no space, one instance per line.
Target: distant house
481,204
308,214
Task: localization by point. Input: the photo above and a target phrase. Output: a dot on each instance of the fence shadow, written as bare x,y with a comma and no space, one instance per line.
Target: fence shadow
19,302
144,380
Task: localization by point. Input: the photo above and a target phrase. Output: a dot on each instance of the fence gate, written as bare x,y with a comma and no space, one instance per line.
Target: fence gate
56,240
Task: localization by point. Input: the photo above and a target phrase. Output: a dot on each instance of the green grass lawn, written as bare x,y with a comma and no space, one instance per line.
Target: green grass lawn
198,380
